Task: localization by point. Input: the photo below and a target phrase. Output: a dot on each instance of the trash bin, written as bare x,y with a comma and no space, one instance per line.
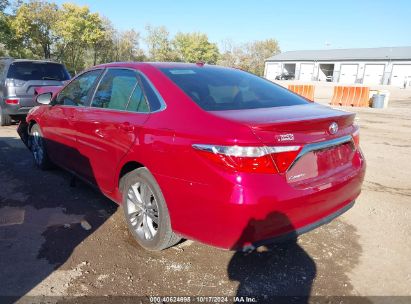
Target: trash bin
387,97
378,101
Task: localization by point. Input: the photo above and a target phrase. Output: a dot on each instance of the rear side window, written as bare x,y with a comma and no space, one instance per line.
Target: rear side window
115,89
27,70
138,102
216,88
153,96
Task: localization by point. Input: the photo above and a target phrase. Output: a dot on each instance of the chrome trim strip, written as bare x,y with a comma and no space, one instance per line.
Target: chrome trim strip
322,145
96,88
207,148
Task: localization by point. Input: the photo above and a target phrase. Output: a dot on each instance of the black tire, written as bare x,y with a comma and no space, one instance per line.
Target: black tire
164,236
38,149
5,120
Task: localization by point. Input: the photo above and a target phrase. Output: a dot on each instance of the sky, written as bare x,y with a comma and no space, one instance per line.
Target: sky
296,24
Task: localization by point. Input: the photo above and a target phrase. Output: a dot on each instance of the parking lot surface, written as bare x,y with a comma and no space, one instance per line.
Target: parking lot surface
47,248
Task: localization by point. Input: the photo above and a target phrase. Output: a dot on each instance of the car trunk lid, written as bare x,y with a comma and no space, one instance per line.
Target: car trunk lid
324,151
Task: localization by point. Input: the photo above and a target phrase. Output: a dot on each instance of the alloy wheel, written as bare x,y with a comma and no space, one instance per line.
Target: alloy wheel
37,147
142,210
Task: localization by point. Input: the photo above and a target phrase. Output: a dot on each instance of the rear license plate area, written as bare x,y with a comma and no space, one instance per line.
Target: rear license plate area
322,163
334,156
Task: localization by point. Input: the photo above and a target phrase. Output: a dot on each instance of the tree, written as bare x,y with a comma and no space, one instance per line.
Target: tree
158,44
231,54
78,30
33,26
95,34
3,5
79,38
127,46
4,26
250,56
106,48
195,47
258,52
10,43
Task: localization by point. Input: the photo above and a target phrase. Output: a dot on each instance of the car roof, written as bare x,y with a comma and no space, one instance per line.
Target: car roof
158,65
35,60
11,60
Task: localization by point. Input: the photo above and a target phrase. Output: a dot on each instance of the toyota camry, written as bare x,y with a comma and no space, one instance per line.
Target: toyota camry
200,152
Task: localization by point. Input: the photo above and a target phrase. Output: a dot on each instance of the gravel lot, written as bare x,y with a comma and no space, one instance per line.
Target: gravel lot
45,250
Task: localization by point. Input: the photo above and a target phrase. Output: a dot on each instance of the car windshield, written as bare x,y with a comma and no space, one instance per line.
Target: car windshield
216,88
27,70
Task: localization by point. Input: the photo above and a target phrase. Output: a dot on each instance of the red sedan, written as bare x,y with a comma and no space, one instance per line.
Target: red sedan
200,152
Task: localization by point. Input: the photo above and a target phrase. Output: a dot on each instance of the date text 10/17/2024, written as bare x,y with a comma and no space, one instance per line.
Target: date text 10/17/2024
203,299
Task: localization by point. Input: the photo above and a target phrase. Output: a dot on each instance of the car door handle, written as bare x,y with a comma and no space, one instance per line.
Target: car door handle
126,126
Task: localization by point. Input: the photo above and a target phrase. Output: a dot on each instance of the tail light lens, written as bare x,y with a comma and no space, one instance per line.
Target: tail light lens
283,160
12,101
356,138
251,159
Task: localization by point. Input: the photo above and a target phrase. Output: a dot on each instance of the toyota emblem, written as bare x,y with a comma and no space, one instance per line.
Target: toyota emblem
333,128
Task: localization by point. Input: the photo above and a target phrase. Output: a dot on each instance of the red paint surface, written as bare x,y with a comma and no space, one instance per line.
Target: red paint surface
206,201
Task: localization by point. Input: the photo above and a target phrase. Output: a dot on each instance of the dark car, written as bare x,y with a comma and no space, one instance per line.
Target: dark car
18,80
285,76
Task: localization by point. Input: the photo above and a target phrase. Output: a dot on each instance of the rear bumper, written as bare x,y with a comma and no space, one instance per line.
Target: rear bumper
238,212
24,106
293,234
17,111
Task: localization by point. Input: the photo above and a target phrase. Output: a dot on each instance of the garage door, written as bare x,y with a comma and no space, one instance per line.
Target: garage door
306,71
272,70
373,74
348,73
399,74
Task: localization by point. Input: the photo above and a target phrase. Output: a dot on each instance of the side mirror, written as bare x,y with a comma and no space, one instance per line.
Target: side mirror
44,98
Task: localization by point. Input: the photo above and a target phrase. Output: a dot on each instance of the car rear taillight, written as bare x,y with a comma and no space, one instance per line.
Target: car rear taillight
251,159
12,101
356,138
284,159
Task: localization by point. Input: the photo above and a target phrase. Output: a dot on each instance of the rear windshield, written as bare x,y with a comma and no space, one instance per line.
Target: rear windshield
216,88
37,71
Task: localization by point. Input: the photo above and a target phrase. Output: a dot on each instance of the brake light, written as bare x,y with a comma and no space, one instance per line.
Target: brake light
356,138
12,101
251,159
284,160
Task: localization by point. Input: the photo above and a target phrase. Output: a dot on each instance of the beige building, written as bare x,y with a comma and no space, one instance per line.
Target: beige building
369,66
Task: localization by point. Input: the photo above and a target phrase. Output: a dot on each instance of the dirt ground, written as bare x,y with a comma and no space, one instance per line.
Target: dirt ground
45,251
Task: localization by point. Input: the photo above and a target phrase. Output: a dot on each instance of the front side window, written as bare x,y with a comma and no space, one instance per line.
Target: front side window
77,92
217,88
115,89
